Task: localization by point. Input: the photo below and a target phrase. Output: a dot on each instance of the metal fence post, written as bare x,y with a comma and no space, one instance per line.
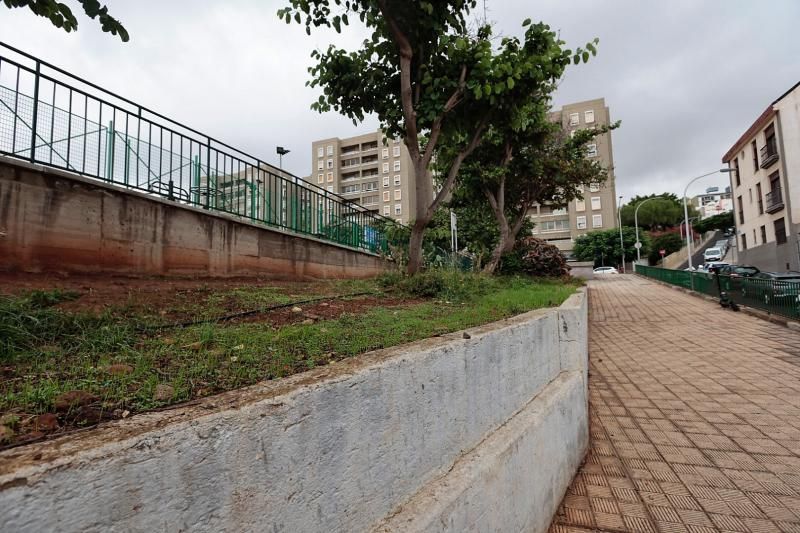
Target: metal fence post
35,111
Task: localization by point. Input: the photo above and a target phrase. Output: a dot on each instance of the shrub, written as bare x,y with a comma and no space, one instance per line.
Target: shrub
446,284
535,257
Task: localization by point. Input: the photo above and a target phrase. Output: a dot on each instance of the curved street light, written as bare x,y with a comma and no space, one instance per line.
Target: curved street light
636,225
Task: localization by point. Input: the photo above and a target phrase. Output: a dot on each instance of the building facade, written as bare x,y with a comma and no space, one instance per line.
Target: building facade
765,186
561,225
371,170
713,202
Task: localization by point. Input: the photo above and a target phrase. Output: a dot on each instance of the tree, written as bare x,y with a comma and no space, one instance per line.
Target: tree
603,247
720,222
425,75
669,242
526,161
660,212
61,15
535,257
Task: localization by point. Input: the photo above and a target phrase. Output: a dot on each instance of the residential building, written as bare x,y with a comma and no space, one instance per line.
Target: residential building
766,186
370,170
713,202
561,225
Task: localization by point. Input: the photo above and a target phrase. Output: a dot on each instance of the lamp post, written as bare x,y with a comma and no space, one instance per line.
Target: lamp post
636,225
621,241
281,152
686,210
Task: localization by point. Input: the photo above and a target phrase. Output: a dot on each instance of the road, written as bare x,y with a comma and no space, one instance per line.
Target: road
697,256
695,417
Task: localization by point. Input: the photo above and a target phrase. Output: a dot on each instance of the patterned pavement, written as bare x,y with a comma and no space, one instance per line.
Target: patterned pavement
695,417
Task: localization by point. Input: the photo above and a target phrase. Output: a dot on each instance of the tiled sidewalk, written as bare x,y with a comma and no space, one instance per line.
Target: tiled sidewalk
695,418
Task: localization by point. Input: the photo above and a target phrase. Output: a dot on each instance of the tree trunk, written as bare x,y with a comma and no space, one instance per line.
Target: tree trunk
415,247
501,248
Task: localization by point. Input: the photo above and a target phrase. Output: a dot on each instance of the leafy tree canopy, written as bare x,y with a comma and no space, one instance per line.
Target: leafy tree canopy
659,212
61,16
669,242
720,222
603,247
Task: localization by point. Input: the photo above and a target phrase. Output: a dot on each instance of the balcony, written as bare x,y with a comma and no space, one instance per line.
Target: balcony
769,153
774,200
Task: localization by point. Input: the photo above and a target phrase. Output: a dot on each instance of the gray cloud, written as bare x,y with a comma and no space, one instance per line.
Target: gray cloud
686,77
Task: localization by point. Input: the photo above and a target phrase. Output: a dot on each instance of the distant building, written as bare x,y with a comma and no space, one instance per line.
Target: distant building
713,202
371,170
766,186
561,225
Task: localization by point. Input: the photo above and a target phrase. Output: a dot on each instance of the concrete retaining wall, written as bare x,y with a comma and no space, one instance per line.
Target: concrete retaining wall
58,221
448,434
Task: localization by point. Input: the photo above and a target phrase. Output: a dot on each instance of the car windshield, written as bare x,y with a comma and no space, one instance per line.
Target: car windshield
712,251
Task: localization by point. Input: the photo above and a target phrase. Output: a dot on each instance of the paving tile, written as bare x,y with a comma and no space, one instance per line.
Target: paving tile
686,437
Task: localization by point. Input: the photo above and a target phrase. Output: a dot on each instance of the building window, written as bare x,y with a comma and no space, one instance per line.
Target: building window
763,235
750,193
741,209
559,211
780,231
595,203
736,168
588,116
397,180
320,152
371,186
554,225
597,221
386,196
386,168
397,194
320,164
397,166
330,149
594,187
755,156
591,150
330,163
386,210
320,178
574,119
744,241
581,222
350,189
385,153
396,151
760,199
330,188
580,205
398,209
386,181
330,177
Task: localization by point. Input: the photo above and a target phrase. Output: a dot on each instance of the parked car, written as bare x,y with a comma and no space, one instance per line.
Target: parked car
722,245
712,254
771,288
731,276
604,271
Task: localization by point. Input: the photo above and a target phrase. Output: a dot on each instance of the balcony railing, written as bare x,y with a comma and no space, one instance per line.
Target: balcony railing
769,153
774,200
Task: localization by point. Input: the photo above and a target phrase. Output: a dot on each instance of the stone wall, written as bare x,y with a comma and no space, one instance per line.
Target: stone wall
58,221
480,431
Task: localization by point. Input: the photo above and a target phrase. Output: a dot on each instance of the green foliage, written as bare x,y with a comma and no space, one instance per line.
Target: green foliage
535,257
61,16
721,222
603,247
661,211
669,242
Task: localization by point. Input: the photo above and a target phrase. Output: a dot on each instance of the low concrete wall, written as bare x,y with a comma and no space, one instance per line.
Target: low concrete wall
582,269
58,221
448,434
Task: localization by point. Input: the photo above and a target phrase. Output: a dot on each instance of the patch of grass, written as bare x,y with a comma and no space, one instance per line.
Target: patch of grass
52,351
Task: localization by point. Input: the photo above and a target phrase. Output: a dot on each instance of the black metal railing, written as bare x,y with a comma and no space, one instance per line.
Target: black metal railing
769,153
774,200
51,117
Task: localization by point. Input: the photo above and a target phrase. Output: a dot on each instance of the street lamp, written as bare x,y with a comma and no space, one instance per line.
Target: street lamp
636,225
686,210
281,152
621,241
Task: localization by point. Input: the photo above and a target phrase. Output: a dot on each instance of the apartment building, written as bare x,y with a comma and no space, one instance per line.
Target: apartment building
766,186
561,225
713,202
370,170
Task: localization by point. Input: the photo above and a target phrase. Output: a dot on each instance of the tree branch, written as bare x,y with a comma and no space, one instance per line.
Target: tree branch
436,127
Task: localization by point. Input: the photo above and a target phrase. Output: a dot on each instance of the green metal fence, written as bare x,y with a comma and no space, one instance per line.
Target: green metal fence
50,117
774,296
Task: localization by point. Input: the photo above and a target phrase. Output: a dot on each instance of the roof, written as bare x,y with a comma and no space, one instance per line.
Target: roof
765,117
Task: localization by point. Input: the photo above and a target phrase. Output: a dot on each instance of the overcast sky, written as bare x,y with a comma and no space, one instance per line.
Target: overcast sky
685,77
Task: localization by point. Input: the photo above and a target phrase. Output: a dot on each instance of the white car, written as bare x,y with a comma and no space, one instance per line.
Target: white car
712,254
602,271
